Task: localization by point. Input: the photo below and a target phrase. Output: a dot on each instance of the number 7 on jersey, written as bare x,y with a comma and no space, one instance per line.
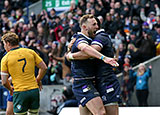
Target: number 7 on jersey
23,59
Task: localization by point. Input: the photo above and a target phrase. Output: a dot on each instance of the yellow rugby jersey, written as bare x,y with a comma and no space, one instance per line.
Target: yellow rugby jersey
20,64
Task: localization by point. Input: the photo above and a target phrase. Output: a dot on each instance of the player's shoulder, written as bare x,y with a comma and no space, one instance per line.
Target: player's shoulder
103,34
4,58
27,50
78,36
74,36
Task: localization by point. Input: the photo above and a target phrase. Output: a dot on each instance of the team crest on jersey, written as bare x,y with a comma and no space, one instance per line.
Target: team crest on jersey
86,88
19,107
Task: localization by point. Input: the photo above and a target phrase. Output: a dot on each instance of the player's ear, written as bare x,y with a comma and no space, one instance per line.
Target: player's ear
84,27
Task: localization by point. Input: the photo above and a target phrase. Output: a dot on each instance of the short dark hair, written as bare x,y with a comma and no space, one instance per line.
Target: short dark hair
98,22
11,37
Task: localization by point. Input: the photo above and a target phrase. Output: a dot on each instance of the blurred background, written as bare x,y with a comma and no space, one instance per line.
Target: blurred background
47,26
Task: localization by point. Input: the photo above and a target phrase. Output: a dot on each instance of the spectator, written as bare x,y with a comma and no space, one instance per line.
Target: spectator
125,12
54,71
119,39
19,15
142,75
67,99
7,7
65,65
117,7
120,55
145,26
108,24
133,52
157,39
100,10
42,35
127,59
81,5
146,46
70,100
52,14
127,86
136,7
151,19
58,28
132,38
6,23
135,26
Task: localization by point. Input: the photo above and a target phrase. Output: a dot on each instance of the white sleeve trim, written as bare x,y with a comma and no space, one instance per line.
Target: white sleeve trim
83,42
3,73
95,42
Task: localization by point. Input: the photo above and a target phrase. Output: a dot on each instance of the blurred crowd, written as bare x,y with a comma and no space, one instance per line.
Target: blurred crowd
133,26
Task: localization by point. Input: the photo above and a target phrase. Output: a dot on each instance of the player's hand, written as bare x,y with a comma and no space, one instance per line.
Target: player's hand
142,9
150,67
40,85
156,5
71,44
68,56
111,61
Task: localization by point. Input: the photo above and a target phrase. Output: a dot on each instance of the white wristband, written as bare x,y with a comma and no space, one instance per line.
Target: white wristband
70,56
3,73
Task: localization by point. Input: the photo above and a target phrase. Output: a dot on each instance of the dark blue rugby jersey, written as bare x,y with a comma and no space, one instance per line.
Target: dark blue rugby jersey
82,68
103,40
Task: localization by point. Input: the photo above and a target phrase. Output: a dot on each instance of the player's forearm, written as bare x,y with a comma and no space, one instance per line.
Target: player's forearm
5,82
41,74
80,55
58,58
42,71
94,53
91,52
7,85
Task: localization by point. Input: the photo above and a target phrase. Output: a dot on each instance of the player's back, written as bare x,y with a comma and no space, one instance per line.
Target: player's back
103,40
21,66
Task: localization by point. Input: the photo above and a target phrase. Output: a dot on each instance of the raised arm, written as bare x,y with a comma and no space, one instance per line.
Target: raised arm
149,72
142,15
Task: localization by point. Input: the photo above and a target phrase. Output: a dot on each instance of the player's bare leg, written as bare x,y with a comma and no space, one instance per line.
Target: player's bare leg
96,106
112,110
9,110
84,110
